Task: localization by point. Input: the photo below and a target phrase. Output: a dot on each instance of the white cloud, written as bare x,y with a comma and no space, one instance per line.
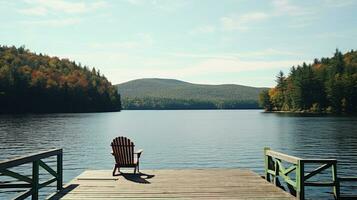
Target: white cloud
204,67
281,8
54,22
165,5
38,10
227,63
299,16
202,30
234,66
146,38
50,10
139,2
243,55
142,40
268,52
204,56
45,7
285,7
119,66
339,3
241,22
117,45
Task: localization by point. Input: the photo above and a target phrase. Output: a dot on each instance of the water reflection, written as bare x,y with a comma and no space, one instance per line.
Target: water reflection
182,139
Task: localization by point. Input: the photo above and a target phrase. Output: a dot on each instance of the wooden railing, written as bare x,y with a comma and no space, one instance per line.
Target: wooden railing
293,171
33,183
347,179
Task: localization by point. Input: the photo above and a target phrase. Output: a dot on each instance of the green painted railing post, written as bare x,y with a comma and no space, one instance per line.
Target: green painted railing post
35,179
266,164
60,171
276,170
336,187
300,190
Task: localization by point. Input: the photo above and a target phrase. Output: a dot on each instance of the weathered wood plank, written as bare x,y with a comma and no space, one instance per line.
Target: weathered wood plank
167,184
282,156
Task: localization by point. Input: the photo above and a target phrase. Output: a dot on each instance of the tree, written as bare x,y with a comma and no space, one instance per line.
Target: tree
328,85
264,100
39,83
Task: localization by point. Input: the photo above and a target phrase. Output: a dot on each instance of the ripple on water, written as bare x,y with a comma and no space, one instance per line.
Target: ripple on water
182,139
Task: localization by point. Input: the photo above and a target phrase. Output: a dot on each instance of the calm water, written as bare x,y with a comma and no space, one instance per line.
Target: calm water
182,139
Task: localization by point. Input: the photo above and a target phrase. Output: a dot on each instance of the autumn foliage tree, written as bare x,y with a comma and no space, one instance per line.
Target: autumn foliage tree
326,85
37,83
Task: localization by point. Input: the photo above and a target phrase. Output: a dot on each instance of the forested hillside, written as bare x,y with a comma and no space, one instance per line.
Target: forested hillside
174,94
327,85
37,83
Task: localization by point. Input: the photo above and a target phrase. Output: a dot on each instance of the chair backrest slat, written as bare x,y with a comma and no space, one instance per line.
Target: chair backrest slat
130,152
123,150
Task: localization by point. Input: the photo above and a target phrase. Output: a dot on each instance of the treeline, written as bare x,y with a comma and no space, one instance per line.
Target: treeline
152,103
328,85
158,93
36,83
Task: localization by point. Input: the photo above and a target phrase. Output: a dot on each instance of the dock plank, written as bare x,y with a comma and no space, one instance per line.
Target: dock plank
172,184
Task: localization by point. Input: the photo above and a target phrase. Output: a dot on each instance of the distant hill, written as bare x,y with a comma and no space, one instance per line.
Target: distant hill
154,93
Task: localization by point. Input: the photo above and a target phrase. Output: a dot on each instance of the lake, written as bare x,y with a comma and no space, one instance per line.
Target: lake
182,138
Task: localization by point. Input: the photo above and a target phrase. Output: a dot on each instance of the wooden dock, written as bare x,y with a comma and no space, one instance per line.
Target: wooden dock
167,184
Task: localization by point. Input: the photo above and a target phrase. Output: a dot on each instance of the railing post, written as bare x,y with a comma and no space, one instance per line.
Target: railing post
300,175
35,179
276,169
60,171
266,164
336,187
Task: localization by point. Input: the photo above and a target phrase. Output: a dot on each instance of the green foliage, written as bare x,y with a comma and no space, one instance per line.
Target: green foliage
175,94
36,83
264,100
152,103
328,85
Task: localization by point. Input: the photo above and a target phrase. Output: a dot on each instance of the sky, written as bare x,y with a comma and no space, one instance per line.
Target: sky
244,42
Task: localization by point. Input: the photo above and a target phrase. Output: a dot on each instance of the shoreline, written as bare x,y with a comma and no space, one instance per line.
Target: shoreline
311,113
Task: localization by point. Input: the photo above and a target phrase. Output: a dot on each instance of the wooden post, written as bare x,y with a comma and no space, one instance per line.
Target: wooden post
276,177
336,187
60,171
35,179
300,190
266,164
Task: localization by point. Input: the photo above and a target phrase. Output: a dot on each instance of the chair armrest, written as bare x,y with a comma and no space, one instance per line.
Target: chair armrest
138,152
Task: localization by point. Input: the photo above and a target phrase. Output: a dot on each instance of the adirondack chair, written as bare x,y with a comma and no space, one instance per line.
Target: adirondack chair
123,152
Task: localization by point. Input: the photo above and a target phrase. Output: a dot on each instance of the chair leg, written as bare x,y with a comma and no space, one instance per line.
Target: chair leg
134,170
115,167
